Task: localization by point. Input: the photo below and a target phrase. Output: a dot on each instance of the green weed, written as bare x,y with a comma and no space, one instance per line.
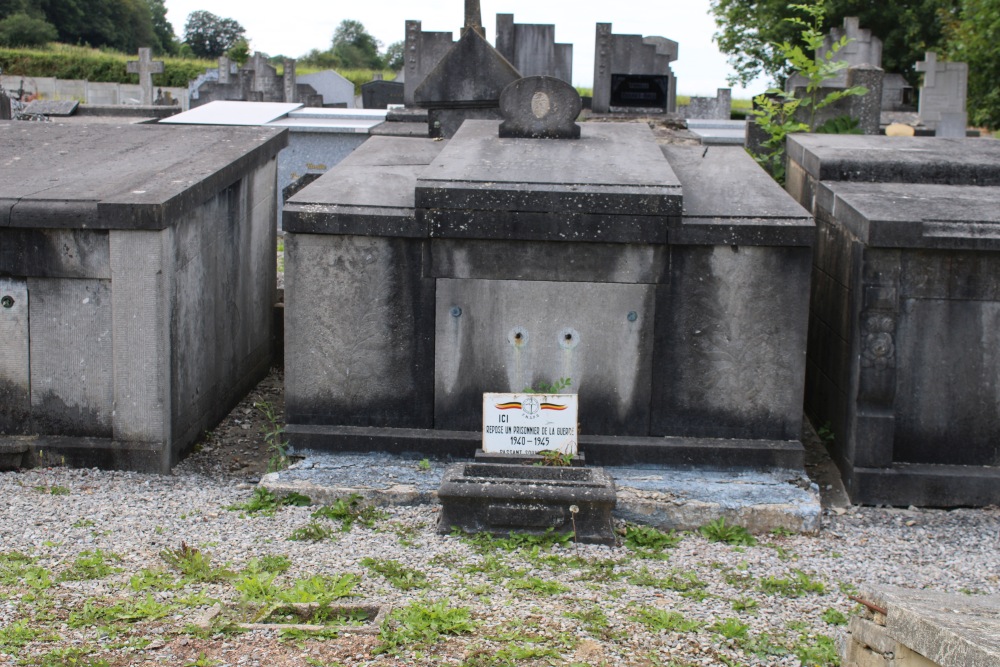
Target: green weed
744,604
194,564
660,620
720,531
422,624
91,565
277,446
20,633
319,588
403,578
68,657
818,651
792,587
157,580
269,563
537,585
730,628
128,611
834,616
265,503
648,542
350,510
83,523
485,543
311,532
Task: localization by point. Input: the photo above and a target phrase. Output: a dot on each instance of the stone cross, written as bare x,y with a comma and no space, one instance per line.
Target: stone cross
473,16
943,93
145,67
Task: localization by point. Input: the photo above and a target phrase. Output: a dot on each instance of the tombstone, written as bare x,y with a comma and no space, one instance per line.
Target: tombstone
145,67
665,283
257,81
903,330
944,91
897,93
422,52
632,73
380,94
142,283
52,107
532,49
5,107
335,90
465,84
863,48
540,107
711,108
865,109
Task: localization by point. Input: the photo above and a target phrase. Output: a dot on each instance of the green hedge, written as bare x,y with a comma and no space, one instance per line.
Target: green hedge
95,66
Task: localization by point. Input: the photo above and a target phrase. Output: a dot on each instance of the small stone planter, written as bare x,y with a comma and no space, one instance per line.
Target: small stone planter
12,454
503,498
371,616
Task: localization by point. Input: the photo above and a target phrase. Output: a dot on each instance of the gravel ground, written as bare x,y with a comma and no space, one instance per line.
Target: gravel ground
781,602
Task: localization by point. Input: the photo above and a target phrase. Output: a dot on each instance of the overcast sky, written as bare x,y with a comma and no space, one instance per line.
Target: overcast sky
293,27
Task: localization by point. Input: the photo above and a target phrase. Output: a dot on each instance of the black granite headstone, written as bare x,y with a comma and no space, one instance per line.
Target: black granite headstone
380,94
639,90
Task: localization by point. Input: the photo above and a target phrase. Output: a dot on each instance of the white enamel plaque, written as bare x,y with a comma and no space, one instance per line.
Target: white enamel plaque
529,423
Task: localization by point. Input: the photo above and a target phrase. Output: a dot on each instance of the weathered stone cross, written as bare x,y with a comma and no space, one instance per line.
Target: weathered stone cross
929,67
145,67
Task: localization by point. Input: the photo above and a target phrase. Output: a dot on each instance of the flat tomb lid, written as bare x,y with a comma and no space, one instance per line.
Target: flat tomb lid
479,170
233,113
121,176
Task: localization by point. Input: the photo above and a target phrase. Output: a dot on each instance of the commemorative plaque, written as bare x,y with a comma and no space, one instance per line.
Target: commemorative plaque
530,423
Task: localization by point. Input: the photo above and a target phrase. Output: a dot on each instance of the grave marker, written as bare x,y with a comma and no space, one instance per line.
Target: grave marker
530,423
943,94
145,67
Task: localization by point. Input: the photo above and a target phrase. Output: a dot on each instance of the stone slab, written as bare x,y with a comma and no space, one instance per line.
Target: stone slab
15,376
845,157
120,177
225,112
52,107
613,169
925,485
902,215
676,497
369,193
726,454
729,199
951,630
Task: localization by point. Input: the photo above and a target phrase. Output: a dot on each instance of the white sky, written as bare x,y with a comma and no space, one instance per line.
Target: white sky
293,27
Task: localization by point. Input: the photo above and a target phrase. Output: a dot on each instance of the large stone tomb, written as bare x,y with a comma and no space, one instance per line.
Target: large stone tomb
668,287
905,313
137,281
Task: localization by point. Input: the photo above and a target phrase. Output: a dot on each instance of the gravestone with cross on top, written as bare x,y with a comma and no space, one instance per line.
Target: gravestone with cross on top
145,67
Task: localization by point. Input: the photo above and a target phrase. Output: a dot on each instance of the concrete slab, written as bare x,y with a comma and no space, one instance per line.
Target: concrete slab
950,630
233,113
669,498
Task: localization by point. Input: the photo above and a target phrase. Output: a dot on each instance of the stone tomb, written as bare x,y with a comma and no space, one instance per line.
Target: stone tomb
904,323
136,286
908,628
943,95
422,274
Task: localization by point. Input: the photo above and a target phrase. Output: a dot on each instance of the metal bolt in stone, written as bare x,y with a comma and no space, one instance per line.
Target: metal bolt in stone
7,302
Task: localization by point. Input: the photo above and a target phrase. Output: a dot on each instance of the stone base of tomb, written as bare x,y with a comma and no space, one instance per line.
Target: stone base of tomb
500,498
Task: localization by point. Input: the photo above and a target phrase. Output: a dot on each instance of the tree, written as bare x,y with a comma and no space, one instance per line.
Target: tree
974,38
749,29
164,31
393,57
23,30
354,48
210,36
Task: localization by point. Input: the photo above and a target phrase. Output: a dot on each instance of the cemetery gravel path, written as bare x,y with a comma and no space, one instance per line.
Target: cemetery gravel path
83,580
